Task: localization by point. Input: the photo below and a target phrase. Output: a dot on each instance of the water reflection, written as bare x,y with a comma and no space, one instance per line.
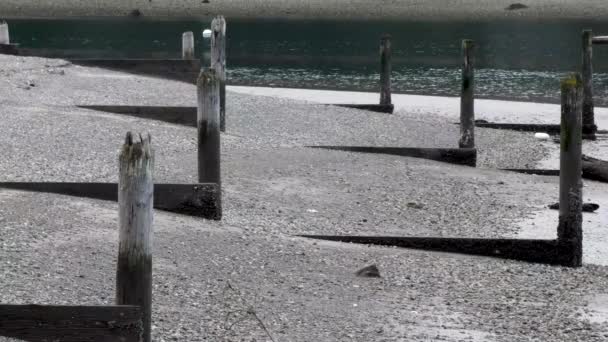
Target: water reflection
516,60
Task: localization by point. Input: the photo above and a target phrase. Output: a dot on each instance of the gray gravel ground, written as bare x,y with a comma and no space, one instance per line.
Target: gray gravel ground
59,249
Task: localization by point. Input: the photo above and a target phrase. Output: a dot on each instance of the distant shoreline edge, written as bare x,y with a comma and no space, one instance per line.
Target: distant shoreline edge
406,10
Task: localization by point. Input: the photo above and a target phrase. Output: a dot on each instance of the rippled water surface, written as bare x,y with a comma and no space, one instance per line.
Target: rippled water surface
515,60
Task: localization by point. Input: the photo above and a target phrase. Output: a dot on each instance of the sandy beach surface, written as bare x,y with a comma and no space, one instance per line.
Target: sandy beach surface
210,278
314,9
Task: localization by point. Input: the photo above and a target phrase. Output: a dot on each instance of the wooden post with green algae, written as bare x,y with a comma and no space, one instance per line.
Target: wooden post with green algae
208,123
467,100
570,231
589,127
218,62
385,70
135,211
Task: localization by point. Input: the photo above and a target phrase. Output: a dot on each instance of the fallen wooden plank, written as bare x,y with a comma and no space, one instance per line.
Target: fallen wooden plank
545,128
593,169
175,115
378,108
173,69
538,251
460,156
9,49
43,323
201,200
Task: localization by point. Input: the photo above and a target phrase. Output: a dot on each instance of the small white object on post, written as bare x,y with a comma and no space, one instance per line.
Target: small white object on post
207,33
4,34
188,45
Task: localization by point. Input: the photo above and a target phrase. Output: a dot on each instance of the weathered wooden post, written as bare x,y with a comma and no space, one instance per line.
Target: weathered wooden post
589,127
4,34
135,197
188,45
467,100
570,231
208,123
385,70
218,62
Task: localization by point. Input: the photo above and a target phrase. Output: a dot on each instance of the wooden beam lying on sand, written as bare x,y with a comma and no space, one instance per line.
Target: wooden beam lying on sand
460,156
175,115
593,169
378,108
539,251
9,49
39,323
201,200
544,128
173,69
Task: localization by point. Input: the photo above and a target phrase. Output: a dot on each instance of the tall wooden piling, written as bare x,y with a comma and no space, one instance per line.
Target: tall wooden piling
570,231
208,123
4,34
218,62
385,70
589,127
467,100
188,45
135,203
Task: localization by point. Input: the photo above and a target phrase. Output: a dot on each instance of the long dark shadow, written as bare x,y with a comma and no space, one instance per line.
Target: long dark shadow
175,115
171,69
538,251
460,156
378,108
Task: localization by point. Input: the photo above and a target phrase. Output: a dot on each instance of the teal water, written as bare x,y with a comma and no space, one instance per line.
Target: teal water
515,59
